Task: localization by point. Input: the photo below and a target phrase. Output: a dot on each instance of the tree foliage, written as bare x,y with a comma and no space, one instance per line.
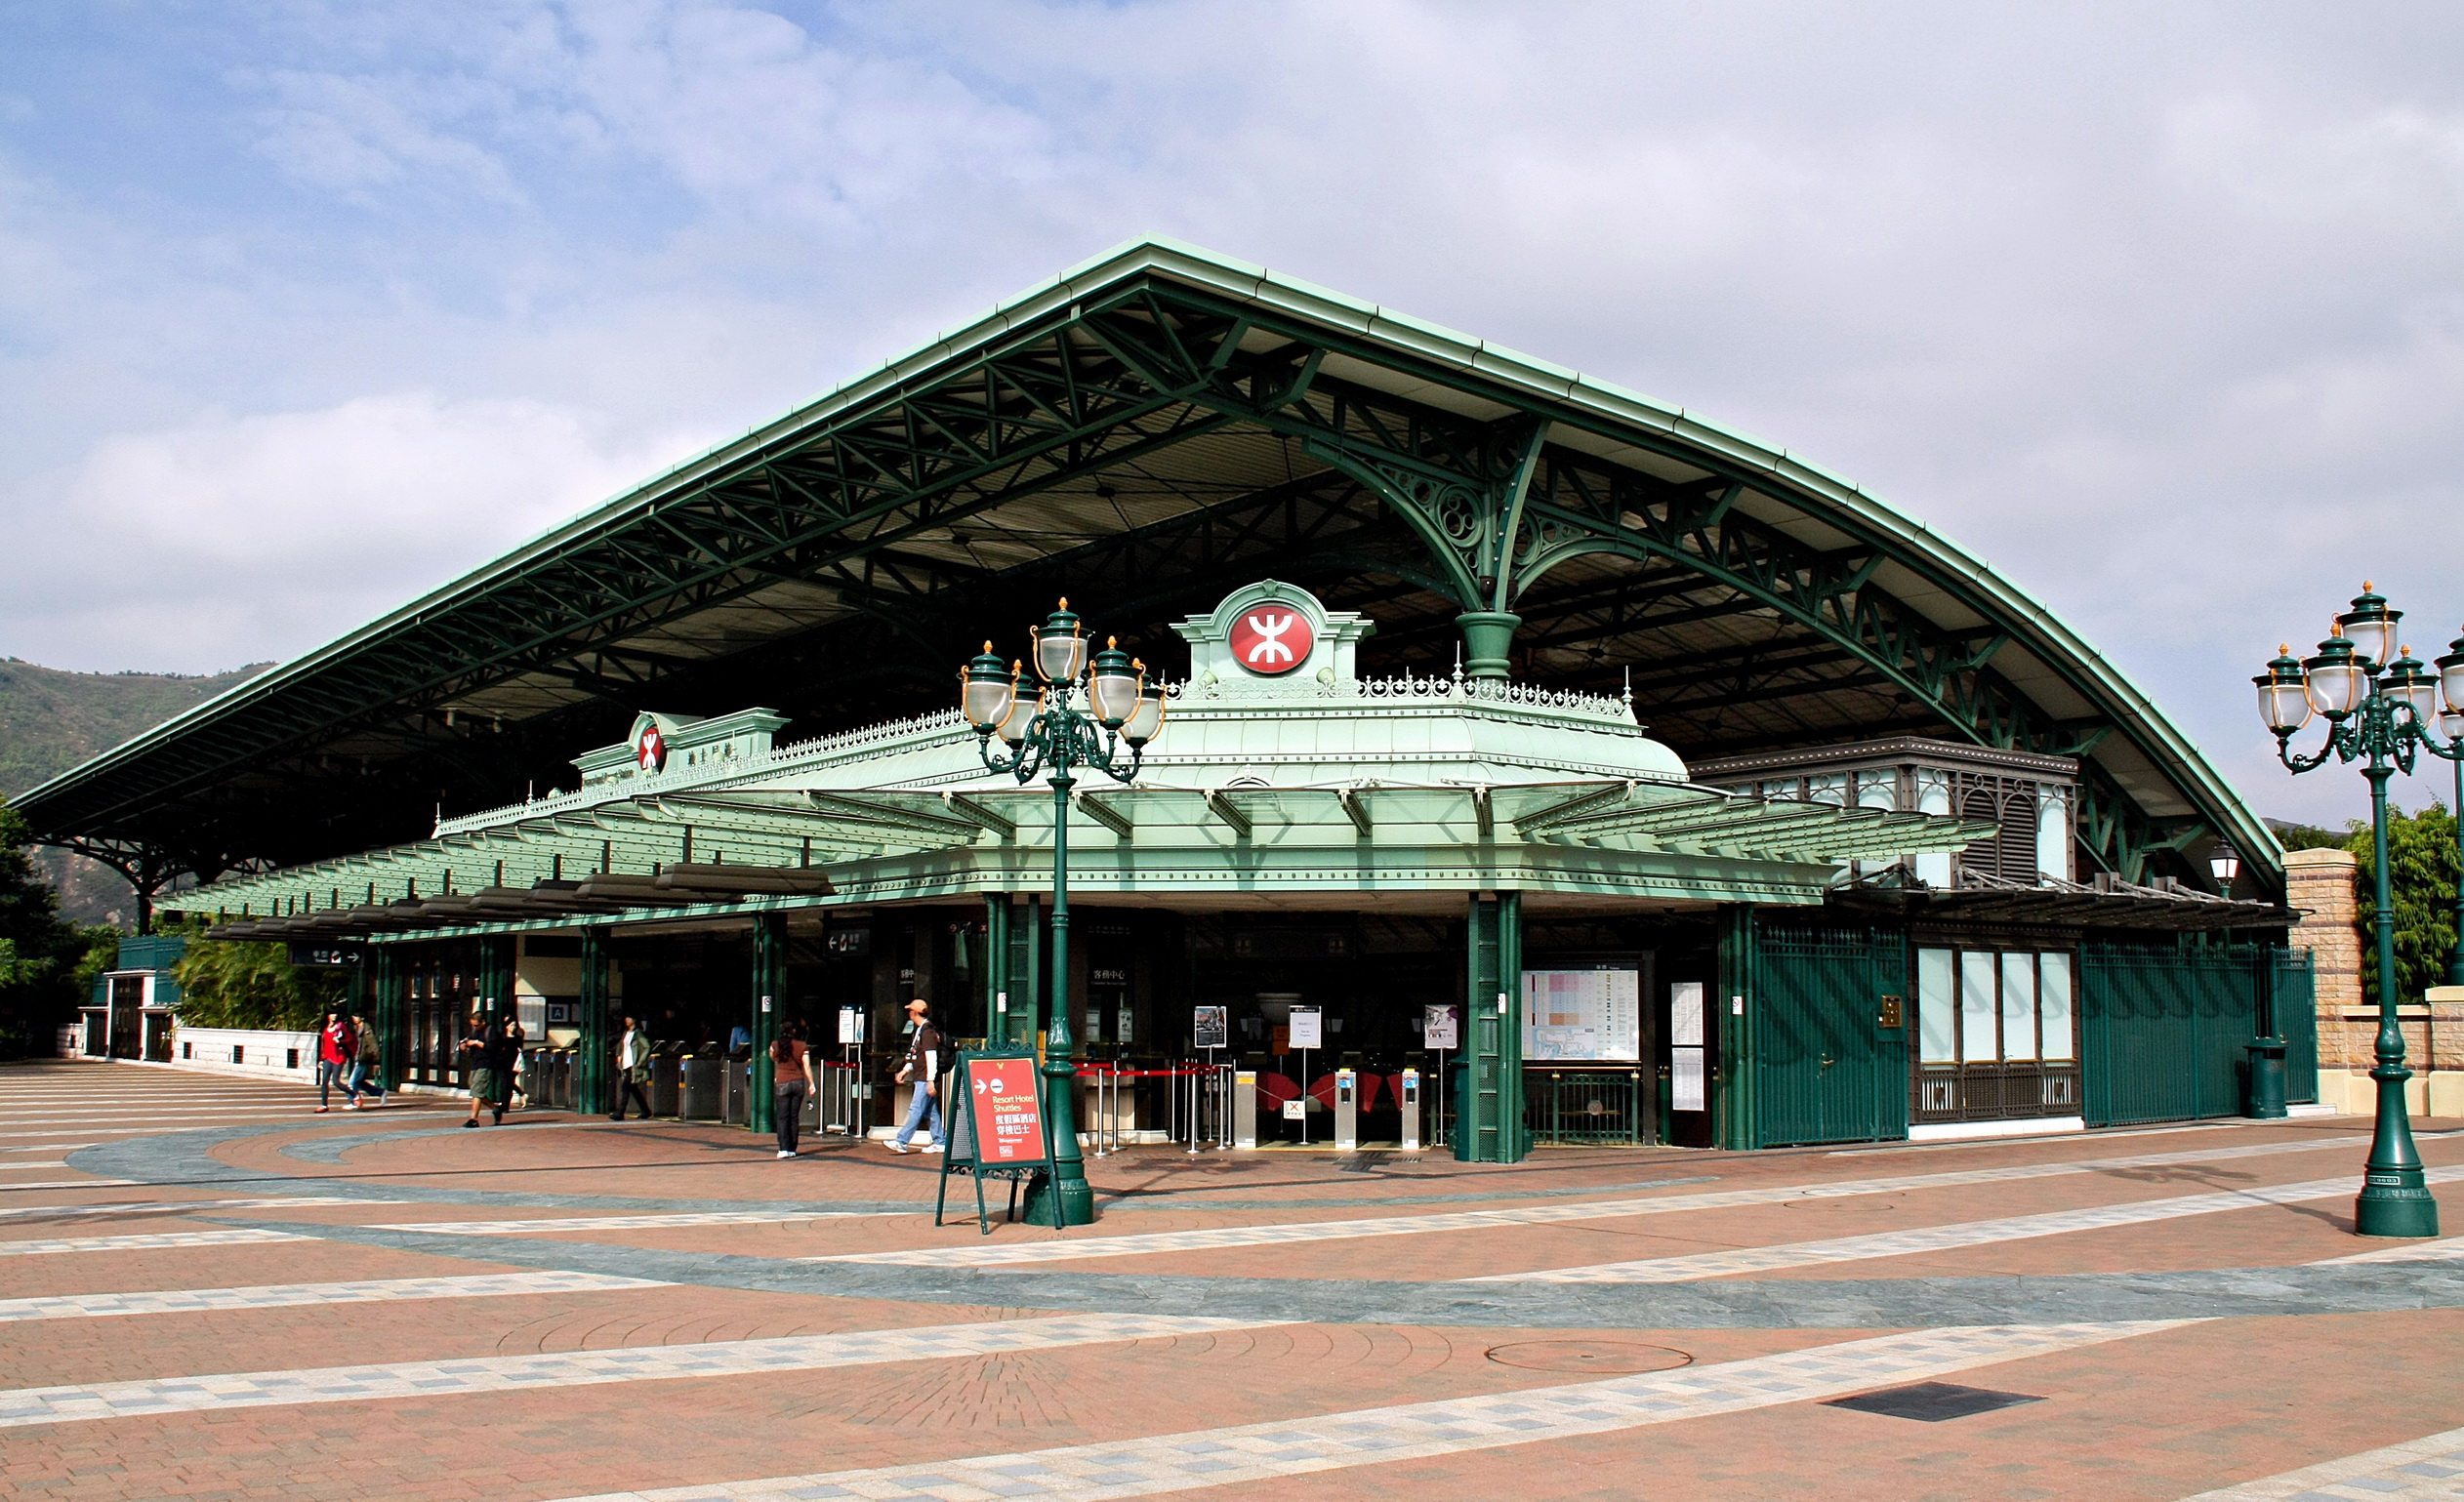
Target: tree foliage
38,949
226,982
2422,873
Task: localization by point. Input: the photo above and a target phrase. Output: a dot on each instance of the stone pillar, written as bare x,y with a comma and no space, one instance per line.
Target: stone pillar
2318,886
2334,928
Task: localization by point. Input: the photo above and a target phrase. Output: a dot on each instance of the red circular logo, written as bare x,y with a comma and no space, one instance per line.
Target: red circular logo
651,749
1269,639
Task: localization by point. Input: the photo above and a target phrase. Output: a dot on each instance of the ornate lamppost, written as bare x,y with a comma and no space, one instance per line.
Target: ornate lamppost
2451,725
2378,712
1045,734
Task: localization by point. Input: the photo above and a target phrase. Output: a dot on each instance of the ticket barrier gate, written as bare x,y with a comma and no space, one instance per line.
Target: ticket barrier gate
1408,1084
1245,1109
1346,1111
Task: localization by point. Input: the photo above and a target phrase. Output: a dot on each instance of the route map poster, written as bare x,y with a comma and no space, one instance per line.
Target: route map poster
1586,1016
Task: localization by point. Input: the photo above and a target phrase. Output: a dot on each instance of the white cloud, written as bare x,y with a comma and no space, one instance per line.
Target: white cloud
245,537
2160,310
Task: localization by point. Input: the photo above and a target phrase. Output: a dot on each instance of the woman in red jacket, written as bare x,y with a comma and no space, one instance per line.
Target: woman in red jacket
337,1050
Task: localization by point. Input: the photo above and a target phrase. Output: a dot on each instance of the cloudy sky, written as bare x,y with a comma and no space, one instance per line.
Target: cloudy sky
2160,309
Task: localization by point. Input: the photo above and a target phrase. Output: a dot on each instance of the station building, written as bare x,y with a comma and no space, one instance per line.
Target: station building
1635,779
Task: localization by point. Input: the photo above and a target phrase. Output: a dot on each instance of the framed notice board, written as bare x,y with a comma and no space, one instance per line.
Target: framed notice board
998,1127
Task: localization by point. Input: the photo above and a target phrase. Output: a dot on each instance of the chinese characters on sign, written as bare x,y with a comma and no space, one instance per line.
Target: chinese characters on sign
1007,1113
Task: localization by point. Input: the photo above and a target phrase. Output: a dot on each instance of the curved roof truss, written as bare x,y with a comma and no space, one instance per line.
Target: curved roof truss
1155,426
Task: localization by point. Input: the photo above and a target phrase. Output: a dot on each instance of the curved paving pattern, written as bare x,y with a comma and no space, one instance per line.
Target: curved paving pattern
665,1311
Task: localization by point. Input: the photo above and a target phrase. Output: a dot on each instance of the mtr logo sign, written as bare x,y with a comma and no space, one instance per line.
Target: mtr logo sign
1271,639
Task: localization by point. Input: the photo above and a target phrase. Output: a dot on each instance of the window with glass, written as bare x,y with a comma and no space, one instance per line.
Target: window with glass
1996,1033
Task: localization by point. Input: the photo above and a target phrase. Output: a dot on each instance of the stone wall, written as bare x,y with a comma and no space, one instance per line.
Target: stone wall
2334,928
2318,886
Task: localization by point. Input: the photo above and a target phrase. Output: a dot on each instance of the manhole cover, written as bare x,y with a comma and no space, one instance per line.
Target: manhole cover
1931,1402
1607,1358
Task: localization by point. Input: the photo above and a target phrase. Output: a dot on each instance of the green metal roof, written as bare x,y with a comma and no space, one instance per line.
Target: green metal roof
989,454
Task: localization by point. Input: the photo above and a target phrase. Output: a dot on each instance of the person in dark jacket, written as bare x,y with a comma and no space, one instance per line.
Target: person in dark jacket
924,1067
483,1060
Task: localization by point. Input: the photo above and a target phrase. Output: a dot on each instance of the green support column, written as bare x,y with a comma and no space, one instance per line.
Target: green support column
1508,1002
769,988
1488,638
591,1095
392,1018
1027,1021
496,975
996,968
1478,1082
1490,1125
1735,1119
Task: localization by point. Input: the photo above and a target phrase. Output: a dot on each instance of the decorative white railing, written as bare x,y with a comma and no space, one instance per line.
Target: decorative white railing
924,729
1410,686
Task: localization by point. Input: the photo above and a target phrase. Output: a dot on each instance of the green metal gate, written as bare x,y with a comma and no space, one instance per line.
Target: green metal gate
2164,1029
1825,1068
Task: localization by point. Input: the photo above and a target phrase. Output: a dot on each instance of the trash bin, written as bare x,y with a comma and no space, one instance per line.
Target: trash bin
2267,1079
738,1111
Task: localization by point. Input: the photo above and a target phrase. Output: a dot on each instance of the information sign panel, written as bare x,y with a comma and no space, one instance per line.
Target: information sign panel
1685,1080
1212,1027
1685,1014
998,1126
1305,1027
1582,1015
1685,1046
851,1024
1442,1026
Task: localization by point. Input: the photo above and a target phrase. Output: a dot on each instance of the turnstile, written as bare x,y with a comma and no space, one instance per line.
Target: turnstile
1245,1108
1346,1111
1408,1091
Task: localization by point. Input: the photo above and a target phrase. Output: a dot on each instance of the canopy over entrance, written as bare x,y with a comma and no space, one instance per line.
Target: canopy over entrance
1142,434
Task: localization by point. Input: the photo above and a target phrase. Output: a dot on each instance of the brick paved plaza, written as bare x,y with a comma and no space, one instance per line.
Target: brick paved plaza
207,1291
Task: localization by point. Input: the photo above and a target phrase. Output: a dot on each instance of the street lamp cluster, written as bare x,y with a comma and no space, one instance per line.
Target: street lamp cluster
1045,732
2379,703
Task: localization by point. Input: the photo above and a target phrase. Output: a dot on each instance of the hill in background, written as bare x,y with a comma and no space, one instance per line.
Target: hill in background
51,720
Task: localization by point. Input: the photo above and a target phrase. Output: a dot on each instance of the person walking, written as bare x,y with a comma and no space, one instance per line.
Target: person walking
516,1036
482,1053
924,1067
365,1071
633,1070
791,1076
337,1049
